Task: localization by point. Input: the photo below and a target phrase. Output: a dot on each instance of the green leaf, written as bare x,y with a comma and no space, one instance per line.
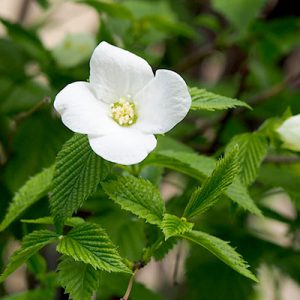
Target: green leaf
37,294
27,40
137,195
43,3
204,100
253,149
239,13
191,164
130,238
160,253
78,171
222,250
214,185
33,190
32,243
200,167
90,244
74,221
111,8
172,226
79,280
238,193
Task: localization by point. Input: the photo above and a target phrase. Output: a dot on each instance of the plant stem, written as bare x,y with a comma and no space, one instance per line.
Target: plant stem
25,114
129,287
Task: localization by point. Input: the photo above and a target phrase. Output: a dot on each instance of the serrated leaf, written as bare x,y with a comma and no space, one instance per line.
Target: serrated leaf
78,279
90,244
214,185
222,250
253,149
137,195
172,226
239,194
191,164
33,190
32,243
204,100
200,167
78,171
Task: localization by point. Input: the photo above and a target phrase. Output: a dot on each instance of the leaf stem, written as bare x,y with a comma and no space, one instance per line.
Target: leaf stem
129,287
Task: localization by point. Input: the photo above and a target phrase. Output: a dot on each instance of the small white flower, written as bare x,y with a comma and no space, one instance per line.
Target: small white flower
289,132
123,105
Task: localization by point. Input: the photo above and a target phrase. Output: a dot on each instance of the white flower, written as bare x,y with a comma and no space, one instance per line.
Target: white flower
289,132
123,105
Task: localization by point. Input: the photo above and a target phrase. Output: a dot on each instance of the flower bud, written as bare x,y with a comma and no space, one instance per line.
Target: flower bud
289,132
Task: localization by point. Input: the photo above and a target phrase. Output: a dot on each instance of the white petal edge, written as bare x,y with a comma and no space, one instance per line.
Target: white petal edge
82,112
162,103
116,73
126,148
290,133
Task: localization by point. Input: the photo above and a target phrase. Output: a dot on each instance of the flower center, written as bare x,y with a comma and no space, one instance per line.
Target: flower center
124,112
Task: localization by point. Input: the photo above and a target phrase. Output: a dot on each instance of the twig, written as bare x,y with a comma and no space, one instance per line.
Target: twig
273,90
129,287
25,114
176,268
3,157
268,93
282,159
194,58
23,11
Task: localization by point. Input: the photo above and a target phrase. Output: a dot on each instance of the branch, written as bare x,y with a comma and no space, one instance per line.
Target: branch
25,114
194,58
282,159
23,11
129,288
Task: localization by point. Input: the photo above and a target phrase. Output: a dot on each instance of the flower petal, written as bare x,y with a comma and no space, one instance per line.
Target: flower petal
82,112
289,132
162,103
127,148
116,73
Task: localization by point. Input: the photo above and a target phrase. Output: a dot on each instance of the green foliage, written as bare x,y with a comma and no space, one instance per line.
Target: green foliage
131,239
32,243
74,221
33,190
235,12
27,40
238,193
222,250
89,243
114,285
200,167
37,294
172,226
138,196
202,281
214,185
253,148
204,100
189,163
244,49
78,171
111,8
79,280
